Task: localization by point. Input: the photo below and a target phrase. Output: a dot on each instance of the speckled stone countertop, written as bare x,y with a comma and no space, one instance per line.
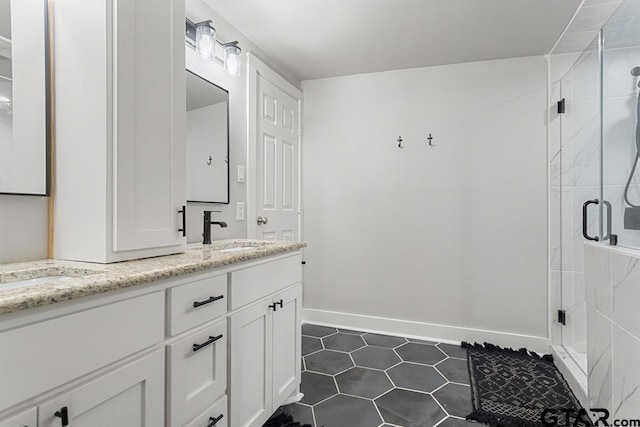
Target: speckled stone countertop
89,278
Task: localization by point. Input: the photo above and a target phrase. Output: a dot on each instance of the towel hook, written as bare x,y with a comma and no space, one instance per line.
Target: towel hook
210,161
400,142
430,140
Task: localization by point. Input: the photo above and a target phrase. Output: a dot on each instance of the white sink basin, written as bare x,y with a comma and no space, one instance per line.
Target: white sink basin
238,249
31,282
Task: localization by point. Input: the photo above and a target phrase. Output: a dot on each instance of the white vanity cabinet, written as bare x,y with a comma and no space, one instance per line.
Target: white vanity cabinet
120,175
28,418
214,348
265,346
130,396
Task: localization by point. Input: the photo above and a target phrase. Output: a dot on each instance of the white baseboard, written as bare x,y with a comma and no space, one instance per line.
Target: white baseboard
424,331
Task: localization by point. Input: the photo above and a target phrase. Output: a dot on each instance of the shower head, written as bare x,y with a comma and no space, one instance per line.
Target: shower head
635,71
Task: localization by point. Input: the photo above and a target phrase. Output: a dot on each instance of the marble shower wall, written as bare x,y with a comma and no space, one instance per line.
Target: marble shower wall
620,92
613,351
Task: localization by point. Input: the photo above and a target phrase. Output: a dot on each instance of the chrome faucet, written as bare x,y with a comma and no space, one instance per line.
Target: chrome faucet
206,235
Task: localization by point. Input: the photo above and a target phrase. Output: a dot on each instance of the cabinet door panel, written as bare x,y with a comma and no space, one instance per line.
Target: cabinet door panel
28,418
48,354
149,123
199,377
131,396
251,352
287,344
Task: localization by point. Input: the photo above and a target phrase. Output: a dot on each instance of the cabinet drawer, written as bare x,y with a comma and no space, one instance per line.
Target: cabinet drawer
197,372
39,357
28,418
215,412
196,303
253,283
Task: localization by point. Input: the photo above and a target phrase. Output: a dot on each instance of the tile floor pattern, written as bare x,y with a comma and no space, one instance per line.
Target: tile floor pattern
358,379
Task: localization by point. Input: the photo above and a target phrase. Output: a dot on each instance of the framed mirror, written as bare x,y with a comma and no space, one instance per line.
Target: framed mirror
207,141
24,98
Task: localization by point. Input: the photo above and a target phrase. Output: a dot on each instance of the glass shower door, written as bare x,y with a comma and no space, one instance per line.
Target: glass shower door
580,183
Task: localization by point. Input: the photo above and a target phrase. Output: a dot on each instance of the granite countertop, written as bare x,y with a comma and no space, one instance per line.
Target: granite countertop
89,278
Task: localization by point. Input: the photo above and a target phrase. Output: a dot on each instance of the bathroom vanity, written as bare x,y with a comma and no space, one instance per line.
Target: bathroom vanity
208,337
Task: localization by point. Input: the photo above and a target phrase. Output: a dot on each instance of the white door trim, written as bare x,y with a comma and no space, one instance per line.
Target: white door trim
258,68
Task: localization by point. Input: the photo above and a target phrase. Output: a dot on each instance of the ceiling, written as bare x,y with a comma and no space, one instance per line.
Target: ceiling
326,38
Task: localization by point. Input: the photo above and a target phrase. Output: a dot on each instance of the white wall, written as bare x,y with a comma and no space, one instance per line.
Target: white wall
453,235
198,11
207,136
23,228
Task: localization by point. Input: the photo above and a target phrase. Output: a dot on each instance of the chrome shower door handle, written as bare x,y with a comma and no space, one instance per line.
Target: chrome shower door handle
585,222
262,220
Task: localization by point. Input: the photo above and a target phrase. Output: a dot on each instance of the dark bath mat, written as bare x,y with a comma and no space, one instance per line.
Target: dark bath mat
283,420
514,387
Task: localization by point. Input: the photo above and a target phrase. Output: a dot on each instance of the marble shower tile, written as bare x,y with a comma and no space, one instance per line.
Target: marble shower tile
615,196
555,229
626,374
568,231
573,302
617,65
599,359
598,278
619,127
625,280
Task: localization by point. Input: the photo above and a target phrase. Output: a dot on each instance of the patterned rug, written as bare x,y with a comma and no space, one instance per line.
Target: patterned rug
280,419
514,388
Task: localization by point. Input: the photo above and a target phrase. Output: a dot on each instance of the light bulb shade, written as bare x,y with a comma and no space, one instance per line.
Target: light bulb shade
232,64
206,41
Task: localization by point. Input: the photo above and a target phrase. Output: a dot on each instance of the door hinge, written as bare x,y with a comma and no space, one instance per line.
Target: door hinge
562,317
561,106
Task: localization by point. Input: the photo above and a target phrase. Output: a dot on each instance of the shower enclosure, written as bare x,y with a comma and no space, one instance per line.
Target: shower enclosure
594,172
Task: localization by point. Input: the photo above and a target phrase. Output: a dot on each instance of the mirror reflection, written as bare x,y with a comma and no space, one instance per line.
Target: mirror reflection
23,97
207,141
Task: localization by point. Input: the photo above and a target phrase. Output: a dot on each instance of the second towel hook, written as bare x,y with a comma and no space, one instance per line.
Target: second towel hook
430,140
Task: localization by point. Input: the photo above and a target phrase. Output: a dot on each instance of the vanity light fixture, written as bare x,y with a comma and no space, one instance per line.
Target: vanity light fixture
232,58
202,37
206,40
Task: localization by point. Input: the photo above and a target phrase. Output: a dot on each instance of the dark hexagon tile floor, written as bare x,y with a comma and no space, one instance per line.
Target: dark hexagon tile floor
358,379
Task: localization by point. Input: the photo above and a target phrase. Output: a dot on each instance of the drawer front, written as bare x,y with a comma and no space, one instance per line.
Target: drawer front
197,372
28,418
253,283
39,357
216,412
196,303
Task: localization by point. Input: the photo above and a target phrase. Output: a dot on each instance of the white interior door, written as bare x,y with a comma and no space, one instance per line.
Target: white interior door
277,163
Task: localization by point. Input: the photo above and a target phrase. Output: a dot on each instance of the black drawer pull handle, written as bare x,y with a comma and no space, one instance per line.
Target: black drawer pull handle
214,421
279,303
273,306
197,304
63,414
183,211
197,347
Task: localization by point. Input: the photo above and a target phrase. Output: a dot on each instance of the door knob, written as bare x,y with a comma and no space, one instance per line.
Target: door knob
262,220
